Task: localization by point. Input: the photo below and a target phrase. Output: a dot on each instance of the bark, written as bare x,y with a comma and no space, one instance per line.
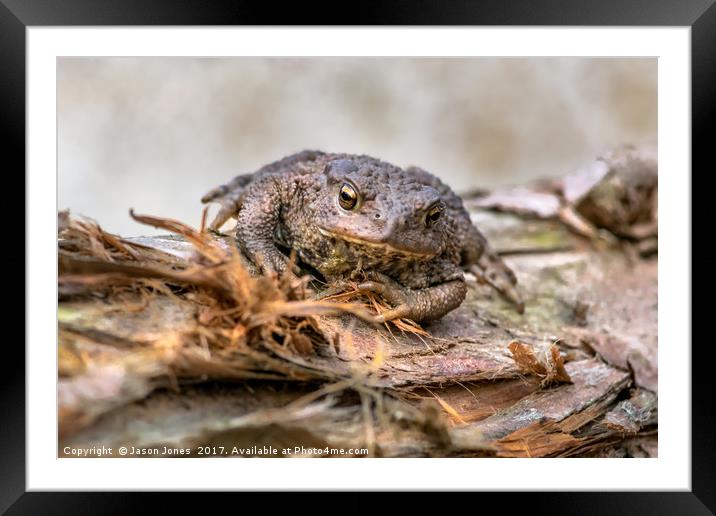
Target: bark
147,357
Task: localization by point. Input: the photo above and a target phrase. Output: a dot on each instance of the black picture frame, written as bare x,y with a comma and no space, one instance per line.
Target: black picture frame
700,15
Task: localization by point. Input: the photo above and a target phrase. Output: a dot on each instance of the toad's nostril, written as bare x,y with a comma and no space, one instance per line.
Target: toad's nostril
377,215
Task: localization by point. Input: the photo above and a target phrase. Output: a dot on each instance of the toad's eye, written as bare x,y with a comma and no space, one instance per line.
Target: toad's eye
434,214
347,197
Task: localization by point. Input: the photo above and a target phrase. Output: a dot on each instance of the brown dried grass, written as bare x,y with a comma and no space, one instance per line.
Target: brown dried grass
244,326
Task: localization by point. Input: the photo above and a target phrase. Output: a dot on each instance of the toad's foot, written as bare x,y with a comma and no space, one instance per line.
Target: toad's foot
490,269
415,304
502,284
229,197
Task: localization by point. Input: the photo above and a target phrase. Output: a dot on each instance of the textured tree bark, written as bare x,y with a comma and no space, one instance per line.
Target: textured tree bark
142,363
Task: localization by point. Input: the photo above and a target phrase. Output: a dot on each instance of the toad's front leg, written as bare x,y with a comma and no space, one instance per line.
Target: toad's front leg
256,225
422,304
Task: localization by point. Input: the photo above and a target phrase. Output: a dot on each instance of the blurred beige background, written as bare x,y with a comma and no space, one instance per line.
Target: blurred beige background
156,133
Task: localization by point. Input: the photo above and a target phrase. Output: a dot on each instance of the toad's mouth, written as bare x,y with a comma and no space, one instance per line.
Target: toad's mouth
385,247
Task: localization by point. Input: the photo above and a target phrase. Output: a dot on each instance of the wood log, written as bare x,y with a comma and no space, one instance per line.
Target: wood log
150,355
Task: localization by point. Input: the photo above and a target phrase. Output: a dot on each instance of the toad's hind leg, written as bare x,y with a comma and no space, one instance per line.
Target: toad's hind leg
488,267
424,304
229,197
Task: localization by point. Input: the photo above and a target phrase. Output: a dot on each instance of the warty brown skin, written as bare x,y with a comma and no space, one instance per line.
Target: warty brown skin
402,233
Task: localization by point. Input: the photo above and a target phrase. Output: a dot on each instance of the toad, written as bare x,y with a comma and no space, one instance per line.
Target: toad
400,232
